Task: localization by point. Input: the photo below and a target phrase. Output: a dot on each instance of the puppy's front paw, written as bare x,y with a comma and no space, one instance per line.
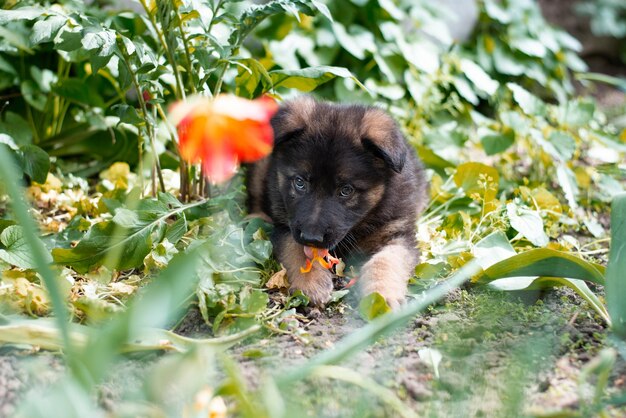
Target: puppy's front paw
393,295
317,285
387,273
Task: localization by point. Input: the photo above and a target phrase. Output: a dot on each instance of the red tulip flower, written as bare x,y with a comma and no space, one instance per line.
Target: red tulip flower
222,132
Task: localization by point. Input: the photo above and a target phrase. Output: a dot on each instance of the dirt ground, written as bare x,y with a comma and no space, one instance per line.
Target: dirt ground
486,339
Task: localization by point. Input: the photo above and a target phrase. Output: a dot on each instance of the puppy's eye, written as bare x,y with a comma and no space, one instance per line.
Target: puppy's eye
346,190
299,183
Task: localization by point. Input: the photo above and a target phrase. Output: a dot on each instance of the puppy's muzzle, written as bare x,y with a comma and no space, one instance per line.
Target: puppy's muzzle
311,238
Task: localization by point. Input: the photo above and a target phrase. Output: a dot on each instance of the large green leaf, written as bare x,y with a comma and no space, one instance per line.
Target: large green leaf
22,13
123,242
495,249
35,162
544,262
307,79
616,270
79,91
16,250
92,250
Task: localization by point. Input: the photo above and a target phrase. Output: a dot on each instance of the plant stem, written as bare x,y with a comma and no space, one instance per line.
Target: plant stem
179,84
140,155
220,79
29,112
192,84
144,110
184,173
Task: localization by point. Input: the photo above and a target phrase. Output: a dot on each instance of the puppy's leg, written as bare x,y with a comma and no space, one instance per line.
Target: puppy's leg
316,284
388,272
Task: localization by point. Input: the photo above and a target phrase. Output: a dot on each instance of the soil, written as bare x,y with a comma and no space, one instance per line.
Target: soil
486,339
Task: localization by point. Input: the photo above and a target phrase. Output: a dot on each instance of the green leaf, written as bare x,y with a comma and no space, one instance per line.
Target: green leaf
530,104
78,91
529,46
373,306
93,249
255,14
46,29
253,301
463,87
567,180
252,78
35,162
307,79
506,63
16,127
564,145
21,13
492,249
576,113
477,178
100,40
322,8
176,230
16,250
543,262
615,273
357,43
160,256
33,95
497,143
528,223
479,77
495,11
432,160
128,114
123,242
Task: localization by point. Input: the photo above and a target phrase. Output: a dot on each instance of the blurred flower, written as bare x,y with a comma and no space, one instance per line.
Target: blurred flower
223,132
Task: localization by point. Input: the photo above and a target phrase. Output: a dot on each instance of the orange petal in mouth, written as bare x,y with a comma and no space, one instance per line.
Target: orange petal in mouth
321,255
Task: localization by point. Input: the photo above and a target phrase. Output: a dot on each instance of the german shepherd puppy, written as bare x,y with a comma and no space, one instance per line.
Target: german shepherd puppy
341,178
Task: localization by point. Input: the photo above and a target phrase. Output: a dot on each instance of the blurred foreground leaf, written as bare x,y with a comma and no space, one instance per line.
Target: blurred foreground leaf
543,262
616,269
372,306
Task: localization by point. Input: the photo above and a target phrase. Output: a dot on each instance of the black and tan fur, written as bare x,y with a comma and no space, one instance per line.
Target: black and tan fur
341,177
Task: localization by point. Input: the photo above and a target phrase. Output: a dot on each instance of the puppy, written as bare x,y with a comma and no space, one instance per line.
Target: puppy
342,178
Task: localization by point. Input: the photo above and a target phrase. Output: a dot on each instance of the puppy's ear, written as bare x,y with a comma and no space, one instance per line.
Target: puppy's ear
292,118
380,135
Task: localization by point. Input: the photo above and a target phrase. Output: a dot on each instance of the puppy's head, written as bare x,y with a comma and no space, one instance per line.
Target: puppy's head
331,164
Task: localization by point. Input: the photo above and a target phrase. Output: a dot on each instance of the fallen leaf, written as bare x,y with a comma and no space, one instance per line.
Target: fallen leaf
278,280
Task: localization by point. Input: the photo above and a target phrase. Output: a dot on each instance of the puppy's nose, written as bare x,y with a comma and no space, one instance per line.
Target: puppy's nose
312,238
